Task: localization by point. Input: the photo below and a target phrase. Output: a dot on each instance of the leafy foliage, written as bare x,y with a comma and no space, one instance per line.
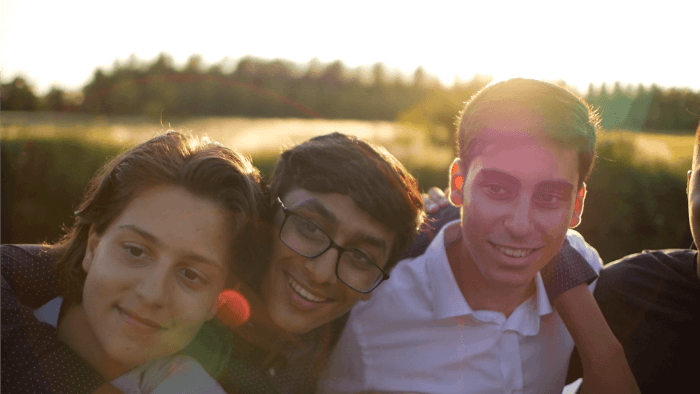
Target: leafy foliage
634,201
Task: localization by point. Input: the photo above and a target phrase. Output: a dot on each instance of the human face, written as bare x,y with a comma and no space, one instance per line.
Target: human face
303,293
693,191
154,274
518,200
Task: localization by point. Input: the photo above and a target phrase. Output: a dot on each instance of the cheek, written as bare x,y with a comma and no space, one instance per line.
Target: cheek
102,282
193,308
553,224
280,253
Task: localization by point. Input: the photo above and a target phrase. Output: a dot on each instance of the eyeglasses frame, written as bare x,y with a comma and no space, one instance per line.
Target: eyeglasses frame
331,245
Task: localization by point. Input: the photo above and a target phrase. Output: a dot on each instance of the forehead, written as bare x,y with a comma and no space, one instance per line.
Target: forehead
177,221
340,214
529,157
512,116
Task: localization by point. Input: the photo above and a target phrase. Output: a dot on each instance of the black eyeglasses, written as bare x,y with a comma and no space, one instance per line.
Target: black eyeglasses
353,268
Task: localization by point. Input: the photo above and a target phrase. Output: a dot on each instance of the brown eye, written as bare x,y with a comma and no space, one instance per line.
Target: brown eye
191,275
495,189
134,251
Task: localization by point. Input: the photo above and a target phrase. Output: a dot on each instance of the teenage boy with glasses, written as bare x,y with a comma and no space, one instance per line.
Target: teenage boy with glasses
353,268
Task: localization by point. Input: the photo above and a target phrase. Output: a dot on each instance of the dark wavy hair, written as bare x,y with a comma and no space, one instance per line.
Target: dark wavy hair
203,168
375,180
569,120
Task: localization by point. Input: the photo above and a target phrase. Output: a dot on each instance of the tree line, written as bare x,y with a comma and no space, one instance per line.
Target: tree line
280,88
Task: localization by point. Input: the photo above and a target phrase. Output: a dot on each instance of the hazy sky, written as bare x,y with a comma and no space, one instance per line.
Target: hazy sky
61,42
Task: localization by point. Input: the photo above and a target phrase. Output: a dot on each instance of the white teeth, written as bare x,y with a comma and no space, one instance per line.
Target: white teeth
302,292
514,252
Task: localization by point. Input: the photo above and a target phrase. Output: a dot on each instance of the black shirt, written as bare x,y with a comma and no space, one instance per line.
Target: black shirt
651,301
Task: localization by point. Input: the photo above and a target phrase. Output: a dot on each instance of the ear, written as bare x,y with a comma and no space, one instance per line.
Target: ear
456,182
92,243
578,207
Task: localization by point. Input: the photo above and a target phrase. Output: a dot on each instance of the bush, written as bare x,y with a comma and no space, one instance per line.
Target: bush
631,205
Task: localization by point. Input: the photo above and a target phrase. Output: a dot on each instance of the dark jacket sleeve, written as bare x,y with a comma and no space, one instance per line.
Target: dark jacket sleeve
34,360
565,271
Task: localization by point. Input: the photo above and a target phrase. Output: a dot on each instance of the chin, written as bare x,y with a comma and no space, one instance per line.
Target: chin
511,279
289,323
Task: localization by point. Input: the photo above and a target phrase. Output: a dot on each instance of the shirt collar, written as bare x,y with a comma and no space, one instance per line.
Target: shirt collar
448,300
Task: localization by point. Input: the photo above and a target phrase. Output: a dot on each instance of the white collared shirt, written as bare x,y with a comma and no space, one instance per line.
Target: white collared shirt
417,333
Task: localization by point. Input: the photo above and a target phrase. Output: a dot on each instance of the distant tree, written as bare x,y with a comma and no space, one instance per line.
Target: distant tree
420,78
256,87
160,95
380,75
639,108
654,119
96,94
314,70
334,74
194,64
18,96
162,65
55,100
616,108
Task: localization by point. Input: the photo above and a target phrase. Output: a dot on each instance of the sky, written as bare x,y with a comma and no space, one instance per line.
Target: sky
60,43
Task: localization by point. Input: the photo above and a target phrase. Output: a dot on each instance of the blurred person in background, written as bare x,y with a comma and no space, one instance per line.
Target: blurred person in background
651,300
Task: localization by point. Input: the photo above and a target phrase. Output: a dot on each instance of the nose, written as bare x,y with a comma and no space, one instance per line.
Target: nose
152,289
519,220
322,267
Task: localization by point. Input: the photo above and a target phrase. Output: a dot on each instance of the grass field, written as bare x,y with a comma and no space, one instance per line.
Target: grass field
673,150
258,138
264,138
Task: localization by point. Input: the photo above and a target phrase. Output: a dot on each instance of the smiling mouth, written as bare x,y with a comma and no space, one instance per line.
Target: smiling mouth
511,252
303,293
141,320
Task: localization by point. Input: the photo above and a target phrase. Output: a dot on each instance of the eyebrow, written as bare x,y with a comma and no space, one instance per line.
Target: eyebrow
373,241
554,184
557,185
321,209
498,175
156,241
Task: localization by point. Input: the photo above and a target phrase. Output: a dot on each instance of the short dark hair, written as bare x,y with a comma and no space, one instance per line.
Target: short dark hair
203,168
375,180
569,119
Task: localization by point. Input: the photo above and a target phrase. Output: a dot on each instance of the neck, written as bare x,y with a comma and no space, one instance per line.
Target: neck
476,289
74,330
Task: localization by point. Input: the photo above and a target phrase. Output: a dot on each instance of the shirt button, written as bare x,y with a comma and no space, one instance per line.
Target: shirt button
271,371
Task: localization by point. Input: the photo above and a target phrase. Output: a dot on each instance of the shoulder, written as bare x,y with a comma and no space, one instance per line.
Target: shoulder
654,263
408,283
650,275
25,253
588,252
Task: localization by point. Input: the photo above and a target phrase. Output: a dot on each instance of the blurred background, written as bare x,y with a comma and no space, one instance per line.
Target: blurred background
83,80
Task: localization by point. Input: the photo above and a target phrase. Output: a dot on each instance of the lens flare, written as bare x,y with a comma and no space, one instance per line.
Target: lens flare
234,308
